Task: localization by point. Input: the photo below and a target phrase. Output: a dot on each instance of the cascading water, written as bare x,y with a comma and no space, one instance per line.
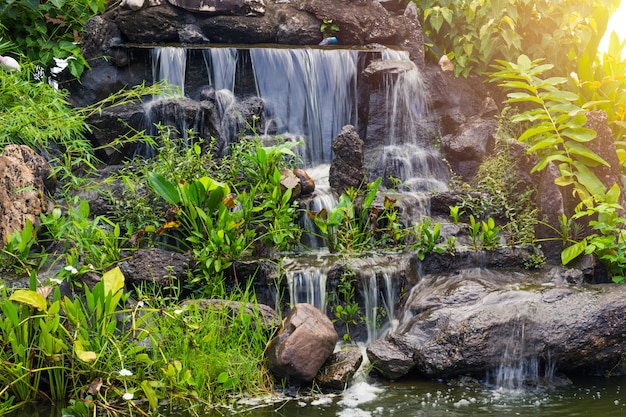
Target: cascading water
308,93
169,63
518,367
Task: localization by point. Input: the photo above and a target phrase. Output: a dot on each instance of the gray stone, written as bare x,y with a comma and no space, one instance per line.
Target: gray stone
347,168
159,266
465,323
466,149
221,7
340,368
304,343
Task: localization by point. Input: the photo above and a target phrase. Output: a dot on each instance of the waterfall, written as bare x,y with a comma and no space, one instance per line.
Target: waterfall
307,285
308,92
519,367
169,63
221,64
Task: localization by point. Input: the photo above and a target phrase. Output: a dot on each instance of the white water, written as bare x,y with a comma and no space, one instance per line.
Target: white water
309,93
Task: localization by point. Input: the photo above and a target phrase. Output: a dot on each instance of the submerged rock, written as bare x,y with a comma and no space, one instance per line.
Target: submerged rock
340,368
477,320
302,346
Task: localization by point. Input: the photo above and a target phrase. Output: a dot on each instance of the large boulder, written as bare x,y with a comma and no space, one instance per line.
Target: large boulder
471,322
304,343
348,166
24,178
159,266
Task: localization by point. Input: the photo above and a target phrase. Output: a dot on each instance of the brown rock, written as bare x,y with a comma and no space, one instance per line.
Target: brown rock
307,183
24,176
302,346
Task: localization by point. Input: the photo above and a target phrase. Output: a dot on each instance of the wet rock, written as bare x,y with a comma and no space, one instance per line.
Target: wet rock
162,267
306,182
304,343
347,168
339,369
466,149
221,7
24,179
389,360
289,181
476,320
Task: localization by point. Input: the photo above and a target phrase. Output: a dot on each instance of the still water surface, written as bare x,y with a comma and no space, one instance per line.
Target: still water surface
598,397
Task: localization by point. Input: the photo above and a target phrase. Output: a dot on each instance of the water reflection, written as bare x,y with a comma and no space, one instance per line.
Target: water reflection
589,397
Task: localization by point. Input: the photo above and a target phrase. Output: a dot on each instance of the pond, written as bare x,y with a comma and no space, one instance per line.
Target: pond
422,398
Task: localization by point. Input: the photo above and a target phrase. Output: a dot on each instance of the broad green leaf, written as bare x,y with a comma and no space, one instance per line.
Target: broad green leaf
164,188
31,298
543,162
148,391
559,96
519,97
113,281
612,196
587,156
82,354
579,134
589,180
564,181
571,252
542,128
545,143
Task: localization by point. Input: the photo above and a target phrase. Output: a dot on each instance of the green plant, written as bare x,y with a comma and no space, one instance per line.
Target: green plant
424,239
345,308
609,242
328,28
456,212
89,243
556,132
17,253
348,228
50,29
476,33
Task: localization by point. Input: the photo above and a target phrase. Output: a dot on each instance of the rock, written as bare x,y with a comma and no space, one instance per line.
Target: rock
476,320
115,122
162,267
304,343
222,7
289,181
389,360
306,182
339,369
378,67
466,149
347,168
24,179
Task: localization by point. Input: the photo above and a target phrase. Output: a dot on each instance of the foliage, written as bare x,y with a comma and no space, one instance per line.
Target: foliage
43,30
328,28
604,88
17,253
33,113
88,243
609,242
344,305
424,238
219,223
555,132
92,350
476,33
355,224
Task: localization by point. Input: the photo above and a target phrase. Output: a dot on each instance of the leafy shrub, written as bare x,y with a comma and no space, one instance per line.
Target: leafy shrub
43,30
475,33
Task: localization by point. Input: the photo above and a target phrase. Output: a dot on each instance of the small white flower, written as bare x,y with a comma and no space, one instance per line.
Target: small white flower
71,269
55,281
125,372
91,267
178,311
128,396
140,303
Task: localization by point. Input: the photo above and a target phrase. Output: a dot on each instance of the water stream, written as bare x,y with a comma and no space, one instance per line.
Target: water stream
309,95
